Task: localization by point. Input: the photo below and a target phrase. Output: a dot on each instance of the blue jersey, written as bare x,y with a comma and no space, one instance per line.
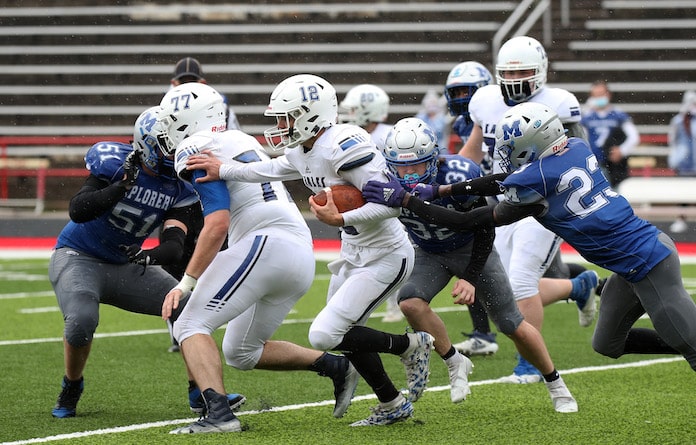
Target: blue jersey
599,126
434,238
134,217
583,210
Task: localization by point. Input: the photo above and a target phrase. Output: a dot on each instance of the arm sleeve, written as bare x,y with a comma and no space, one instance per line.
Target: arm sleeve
94,198
471,221
481,248
369,212
170,249
277,169
483,186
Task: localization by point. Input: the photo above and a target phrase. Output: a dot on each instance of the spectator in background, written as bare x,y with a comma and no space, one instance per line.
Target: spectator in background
188,70
434,113
610,132
682,146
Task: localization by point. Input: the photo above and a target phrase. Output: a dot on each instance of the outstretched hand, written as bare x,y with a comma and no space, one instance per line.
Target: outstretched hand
389,193
207,162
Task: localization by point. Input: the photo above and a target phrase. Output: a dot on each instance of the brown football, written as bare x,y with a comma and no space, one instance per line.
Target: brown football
346,197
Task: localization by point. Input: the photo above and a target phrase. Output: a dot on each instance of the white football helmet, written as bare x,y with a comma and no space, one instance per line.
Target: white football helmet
145,142
187,109
528,132
364,104
467,75
521,53
411,141
307,103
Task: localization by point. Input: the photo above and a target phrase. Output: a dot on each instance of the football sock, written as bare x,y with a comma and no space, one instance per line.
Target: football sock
364,339
329,365
449,353
552,376
371,368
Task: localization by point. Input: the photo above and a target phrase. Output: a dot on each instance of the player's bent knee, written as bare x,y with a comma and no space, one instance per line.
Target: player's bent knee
80,333
242,361
412,306
324,341
507,327
605,349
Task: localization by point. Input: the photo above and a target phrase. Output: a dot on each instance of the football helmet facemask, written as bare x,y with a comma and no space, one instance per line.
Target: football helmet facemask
528,132
145,142
411,141
521,53
364,104
307,103
187,109
467,75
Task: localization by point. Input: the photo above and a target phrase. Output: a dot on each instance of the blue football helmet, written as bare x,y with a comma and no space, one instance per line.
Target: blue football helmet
411,141
465,77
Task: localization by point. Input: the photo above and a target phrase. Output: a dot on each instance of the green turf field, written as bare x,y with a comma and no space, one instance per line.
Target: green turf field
135,391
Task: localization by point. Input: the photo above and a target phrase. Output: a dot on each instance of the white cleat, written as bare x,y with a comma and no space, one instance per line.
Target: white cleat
459,379
563,400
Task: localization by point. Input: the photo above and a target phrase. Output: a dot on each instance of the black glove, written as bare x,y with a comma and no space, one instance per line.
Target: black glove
131,168
136,254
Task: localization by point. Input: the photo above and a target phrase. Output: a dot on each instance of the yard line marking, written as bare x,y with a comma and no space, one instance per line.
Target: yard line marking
39,310
165,331
46,293
144,426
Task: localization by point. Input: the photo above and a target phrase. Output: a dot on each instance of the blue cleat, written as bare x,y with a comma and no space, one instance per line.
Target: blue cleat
66,406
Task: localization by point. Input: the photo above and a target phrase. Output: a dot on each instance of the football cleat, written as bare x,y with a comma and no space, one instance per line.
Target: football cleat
383,414
66,406
220,418
416,360
523,373
478,344
459,379
344,388
208,425
563,400
584,286
197,404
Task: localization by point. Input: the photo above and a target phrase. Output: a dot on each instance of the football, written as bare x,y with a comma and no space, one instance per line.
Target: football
346,197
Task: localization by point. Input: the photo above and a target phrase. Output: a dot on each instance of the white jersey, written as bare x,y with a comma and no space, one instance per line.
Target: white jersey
525,247
379,135
488,106
343,154
254,208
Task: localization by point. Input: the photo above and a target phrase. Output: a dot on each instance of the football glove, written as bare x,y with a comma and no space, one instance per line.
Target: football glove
131,169
426,192
137,255
388,193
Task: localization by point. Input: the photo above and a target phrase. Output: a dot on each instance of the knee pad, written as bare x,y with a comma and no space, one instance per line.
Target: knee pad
323,341
79,333
604,349
507,326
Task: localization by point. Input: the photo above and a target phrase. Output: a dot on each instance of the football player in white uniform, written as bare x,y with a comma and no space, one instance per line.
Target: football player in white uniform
251,285
525,247
376,255
367,106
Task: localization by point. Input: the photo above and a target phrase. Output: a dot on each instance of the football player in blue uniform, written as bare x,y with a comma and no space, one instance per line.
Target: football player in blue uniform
558,181
130,191
442,253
